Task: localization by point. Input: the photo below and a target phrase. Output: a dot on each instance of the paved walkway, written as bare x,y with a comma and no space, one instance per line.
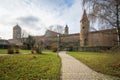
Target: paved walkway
72,69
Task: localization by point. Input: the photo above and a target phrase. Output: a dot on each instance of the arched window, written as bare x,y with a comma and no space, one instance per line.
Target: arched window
85,41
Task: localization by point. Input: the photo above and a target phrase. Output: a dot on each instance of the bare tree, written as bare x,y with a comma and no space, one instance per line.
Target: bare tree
24,34
105,11
56,28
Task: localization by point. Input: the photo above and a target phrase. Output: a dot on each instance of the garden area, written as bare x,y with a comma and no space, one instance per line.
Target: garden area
106,63
45,66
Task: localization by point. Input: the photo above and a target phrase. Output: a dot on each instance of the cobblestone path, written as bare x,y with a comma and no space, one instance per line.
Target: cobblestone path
72,69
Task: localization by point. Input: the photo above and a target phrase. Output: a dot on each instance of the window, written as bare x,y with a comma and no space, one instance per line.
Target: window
83,27
85,41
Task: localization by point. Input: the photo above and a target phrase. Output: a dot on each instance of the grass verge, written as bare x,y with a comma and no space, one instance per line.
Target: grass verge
30,67
106,63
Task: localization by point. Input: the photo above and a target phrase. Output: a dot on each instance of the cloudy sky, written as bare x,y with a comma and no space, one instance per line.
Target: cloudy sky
35,16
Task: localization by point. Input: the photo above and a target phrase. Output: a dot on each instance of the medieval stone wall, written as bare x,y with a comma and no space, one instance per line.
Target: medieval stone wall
102,38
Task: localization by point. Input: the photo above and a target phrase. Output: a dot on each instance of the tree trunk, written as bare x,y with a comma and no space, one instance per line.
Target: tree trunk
117,23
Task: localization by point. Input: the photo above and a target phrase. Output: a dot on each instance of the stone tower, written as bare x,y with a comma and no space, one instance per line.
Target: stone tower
66,30
16,32
84,30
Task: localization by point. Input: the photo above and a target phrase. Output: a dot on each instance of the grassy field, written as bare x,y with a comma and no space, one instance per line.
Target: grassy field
30,67
4,51
106,63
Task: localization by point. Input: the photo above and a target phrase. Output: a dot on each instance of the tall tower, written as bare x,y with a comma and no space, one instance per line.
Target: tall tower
84,30
16,32
66,30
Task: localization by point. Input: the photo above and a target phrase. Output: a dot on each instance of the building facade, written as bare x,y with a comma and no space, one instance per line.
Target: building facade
16,40
86,38
16,32
4,44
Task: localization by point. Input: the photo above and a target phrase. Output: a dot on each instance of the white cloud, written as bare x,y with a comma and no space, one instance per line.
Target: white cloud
48,12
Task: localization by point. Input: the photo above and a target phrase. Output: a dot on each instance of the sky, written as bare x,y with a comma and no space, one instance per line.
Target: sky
35,16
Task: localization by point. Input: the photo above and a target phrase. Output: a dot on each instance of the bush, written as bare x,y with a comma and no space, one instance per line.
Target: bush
54,47
10,50
32,51
38,50
38,47
17,49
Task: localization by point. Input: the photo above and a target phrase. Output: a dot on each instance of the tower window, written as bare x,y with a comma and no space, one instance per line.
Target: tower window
83,27
85,41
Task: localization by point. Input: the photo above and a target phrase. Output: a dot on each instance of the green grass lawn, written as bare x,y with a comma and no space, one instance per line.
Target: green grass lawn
106,63
4,51
30,67
25,51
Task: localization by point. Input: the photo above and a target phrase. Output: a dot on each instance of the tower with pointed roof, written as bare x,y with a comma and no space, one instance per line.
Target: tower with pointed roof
16,32
84,30
66,30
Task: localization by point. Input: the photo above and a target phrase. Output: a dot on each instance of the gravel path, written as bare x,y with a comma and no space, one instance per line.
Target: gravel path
72,69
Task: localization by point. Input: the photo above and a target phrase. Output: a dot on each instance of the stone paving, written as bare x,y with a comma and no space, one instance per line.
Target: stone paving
72,69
